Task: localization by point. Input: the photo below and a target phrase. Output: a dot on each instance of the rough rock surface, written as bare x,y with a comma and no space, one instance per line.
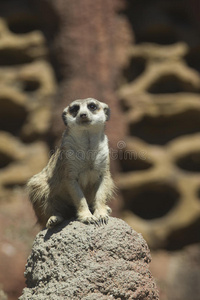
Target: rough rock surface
81,261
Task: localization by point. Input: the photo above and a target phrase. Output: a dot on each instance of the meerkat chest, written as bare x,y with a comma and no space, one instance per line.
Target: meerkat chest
92,167
88,159
92,156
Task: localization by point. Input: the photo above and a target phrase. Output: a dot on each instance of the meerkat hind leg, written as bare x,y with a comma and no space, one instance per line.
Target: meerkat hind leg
53,221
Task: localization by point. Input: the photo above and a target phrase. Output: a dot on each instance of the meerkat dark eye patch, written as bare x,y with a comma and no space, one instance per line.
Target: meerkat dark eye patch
64,117
107,113
73,110
92,106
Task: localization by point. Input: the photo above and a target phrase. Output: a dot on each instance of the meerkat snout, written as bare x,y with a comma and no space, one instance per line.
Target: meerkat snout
83,116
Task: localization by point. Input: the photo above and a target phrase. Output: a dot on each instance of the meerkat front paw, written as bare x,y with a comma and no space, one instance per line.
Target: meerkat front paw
53,221
102,214
87,218
101,218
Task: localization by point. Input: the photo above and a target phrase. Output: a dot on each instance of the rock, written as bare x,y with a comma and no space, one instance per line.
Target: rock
183,280
3,295
155,186
178,273
160,159
18,162
27,88
78,261
26,99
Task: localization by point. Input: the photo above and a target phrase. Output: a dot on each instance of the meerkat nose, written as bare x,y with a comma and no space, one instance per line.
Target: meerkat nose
83,116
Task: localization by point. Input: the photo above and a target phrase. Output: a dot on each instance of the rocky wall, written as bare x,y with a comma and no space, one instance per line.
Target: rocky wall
89,46
27,87
160,96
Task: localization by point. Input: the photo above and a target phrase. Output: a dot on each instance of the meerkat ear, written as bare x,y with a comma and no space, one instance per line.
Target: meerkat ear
64,115
107,112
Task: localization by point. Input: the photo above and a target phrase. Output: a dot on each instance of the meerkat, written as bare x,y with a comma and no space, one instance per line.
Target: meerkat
77,179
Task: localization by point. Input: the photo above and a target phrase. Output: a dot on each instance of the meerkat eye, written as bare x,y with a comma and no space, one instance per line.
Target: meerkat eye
92,106
74,109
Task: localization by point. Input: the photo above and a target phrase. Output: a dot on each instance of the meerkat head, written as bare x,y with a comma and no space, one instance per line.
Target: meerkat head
84,113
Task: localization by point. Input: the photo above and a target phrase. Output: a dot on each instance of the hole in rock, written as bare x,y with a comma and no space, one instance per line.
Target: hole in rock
23,23
14,185
135,68
31,85
161,129
193,58
179,14
11,56
5,159
12,115
184,236
124,106
159,34
171,84
198,193
190,162
150,22
151,201
131,161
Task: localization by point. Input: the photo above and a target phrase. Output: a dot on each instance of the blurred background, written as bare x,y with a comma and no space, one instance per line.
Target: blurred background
142,57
